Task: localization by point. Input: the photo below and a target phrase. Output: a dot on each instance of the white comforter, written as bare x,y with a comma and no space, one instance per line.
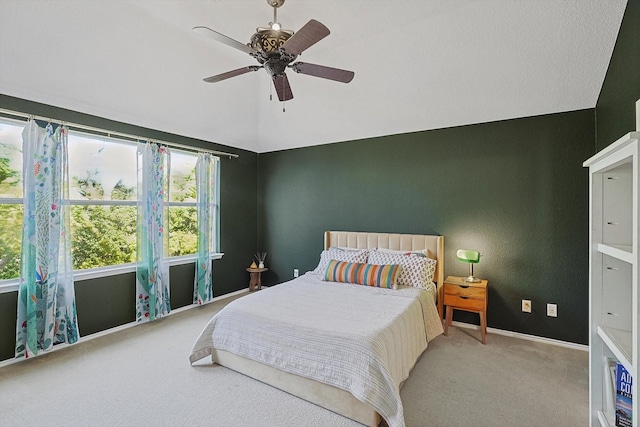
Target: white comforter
360,339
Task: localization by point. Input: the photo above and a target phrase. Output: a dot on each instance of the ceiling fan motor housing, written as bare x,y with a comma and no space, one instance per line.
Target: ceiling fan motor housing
275,66
267,43
266,40
275,3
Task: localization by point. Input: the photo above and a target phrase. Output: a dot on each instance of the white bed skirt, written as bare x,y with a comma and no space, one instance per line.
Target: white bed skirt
327,396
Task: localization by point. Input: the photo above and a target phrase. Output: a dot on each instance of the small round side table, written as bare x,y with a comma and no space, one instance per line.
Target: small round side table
256,277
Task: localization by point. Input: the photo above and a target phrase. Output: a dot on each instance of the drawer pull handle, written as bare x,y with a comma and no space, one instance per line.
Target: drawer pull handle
463,297
613,314
613,178
464,287
612,223
612,268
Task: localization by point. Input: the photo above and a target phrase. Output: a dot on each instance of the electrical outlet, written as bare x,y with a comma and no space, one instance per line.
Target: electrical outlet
526,305
296,273
552,310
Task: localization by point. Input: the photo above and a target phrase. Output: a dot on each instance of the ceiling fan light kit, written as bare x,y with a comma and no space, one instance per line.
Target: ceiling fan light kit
275,49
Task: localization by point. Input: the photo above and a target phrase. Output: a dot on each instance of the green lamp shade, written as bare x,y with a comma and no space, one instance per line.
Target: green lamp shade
471,257
465,255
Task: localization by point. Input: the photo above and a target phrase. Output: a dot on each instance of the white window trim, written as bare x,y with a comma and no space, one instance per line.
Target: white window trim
12,285
104,202
12,201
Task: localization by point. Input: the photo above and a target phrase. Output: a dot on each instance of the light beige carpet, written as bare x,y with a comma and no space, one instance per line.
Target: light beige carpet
141,376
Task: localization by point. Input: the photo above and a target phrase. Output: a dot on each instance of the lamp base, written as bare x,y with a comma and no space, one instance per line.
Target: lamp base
471,278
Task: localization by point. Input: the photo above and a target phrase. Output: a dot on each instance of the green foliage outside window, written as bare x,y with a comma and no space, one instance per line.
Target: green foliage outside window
102,234
106,235
7,175
183,226
183,220
10,222
10,230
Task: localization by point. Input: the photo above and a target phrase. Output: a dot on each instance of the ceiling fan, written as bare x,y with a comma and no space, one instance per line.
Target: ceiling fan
276,49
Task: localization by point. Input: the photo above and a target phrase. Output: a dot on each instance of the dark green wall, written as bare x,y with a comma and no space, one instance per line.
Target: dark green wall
615,110
8,316
109,301
515,190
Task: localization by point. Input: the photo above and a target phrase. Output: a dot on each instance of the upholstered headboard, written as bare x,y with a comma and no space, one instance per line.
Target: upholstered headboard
403,242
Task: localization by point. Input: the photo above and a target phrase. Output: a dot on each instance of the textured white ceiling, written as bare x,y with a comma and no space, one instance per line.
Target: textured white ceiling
419,64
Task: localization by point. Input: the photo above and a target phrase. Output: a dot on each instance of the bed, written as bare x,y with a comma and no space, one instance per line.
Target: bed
342,346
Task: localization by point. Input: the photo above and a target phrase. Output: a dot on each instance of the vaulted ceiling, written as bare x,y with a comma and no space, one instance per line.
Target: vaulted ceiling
419,64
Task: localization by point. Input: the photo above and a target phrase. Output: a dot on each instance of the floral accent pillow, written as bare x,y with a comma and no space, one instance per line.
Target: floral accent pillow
417,270
358,255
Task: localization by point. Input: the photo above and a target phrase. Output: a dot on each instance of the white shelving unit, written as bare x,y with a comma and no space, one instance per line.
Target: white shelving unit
614,188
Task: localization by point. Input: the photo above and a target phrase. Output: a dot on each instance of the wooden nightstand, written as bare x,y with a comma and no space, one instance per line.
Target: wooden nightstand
256,277
468,296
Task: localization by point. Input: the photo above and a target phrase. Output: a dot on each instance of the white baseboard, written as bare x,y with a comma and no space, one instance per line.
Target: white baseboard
120,328
528,337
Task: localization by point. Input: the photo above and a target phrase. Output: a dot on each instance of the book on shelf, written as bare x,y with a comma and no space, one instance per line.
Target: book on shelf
623,397
609,407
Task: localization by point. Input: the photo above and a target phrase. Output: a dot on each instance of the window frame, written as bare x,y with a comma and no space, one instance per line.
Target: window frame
12,285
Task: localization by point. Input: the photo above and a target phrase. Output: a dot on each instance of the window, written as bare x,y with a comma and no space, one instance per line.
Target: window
103,188
183,221
103,194
10,198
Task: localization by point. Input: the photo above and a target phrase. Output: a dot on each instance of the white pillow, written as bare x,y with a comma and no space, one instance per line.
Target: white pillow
417,271
419,252
344,248
358,255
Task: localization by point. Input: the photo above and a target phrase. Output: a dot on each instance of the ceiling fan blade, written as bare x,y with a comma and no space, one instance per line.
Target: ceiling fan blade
336,74
311,33
229,74
208,32
281,83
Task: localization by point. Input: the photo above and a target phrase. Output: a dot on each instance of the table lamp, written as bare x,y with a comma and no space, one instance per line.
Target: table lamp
470,257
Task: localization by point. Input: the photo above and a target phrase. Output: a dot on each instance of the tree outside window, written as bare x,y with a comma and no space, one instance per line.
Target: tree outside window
103,194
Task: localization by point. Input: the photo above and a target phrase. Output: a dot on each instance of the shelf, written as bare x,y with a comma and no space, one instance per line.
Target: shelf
620,344
603,420
614,301
615,154
621,252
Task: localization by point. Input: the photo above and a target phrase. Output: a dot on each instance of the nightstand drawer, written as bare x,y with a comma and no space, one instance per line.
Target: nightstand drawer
464,291
464,302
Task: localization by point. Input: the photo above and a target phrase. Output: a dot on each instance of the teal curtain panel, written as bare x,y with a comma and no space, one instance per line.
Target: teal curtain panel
152,273
46,297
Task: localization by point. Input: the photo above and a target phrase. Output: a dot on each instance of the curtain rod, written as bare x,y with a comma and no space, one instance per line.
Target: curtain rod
114,133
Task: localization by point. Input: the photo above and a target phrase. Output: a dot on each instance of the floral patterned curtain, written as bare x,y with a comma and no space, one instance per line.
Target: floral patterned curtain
206,176
46,297
152,273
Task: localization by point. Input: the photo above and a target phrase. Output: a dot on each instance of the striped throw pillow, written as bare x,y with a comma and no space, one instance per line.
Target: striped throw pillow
381,276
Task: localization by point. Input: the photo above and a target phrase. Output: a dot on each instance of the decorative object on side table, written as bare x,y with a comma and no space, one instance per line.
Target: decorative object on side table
461,294
260,257
256,271
471,257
